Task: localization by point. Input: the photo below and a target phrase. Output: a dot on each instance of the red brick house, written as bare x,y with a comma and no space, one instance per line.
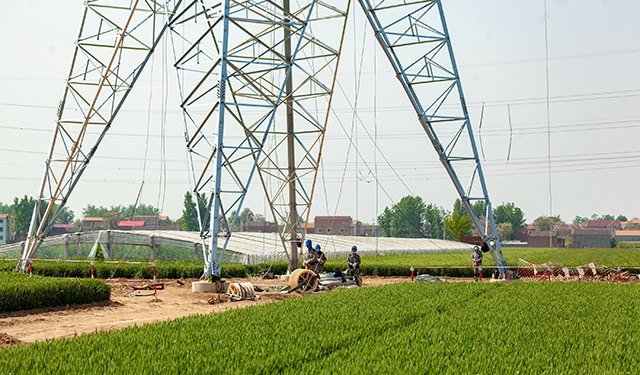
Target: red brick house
337,225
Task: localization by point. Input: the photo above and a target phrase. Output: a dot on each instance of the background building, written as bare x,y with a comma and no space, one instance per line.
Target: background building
336,225
7,234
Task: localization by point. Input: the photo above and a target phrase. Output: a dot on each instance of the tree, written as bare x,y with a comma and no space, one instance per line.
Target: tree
543,223
5,209
126,212
434,221
457,226
622,218
408,218
580,220
65,216
483,224
202,206
99,255
411,218
505,231
141,209
189,219
22,211
458,208
509,213
94,211
603,217
111,219
245,216
480,208
384,222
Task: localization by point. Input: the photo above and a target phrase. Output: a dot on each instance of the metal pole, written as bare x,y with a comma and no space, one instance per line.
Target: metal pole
293,212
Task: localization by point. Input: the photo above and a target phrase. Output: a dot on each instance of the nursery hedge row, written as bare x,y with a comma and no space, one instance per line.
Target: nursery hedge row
21,292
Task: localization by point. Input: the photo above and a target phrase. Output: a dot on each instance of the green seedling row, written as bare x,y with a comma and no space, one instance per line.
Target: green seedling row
388,265
411,328
21,292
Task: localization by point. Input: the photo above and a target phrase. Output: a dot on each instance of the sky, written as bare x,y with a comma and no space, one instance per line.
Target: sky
594,114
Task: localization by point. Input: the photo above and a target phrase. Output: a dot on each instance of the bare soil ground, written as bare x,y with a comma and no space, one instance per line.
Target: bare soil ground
175,301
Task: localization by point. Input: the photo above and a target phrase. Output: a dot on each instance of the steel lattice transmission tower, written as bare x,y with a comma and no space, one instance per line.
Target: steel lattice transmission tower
415,38
244,69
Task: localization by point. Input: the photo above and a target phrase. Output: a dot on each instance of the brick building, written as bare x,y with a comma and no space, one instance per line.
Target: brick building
336,225
62,229
260,227
602,224
544,238
153,221
309,228
130,225
628,235
594,238
92,223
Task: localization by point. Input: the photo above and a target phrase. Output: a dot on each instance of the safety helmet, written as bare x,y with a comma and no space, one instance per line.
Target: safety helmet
476,247
354,248
307,242
317,246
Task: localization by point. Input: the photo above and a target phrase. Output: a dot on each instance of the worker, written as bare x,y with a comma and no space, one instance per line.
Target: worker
322,259
353,261
476,258
310,257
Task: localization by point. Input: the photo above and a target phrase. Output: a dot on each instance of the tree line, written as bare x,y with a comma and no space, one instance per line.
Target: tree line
411,217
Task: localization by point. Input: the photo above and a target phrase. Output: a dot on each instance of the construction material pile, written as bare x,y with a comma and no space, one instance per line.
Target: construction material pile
553,271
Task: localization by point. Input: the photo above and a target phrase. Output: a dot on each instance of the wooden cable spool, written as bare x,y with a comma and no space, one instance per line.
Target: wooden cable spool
308,277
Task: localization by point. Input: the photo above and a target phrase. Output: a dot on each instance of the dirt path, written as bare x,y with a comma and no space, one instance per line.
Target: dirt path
175,301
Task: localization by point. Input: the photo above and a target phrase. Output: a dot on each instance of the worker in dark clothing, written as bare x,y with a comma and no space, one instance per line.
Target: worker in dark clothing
476,258
308,244
353,261
322,259
310,257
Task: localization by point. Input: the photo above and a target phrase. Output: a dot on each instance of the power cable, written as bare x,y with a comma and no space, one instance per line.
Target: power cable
480,133
353,117
510,134
369,135
546,64
603,95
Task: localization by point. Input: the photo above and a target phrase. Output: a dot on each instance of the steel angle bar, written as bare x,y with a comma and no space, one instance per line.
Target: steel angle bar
95,93
397,20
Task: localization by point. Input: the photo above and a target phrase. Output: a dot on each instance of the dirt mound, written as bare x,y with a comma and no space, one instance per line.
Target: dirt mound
8,340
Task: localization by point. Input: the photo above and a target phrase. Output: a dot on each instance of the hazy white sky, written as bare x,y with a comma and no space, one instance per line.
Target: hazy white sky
594,62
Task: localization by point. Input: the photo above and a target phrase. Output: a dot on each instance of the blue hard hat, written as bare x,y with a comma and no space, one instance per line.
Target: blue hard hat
354,248
318,246
307,242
